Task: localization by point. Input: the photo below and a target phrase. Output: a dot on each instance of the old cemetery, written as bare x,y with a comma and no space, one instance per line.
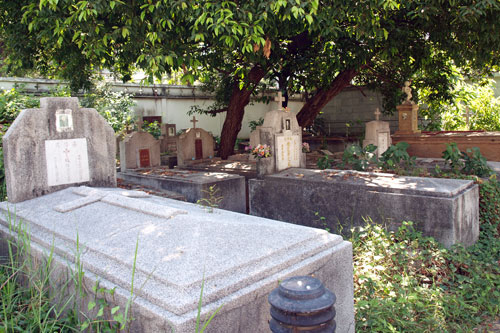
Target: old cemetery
387,239
157,264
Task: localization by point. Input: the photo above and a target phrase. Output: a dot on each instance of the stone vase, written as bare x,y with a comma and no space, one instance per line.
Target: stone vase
262,166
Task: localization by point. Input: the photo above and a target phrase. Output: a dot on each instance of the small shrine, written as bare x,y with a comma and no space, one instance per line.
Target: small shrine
194,144
139,150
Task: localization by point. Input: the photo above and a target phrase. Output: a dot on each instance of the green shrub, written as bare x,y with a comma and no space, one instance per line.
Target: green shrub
324,162
359,158
152,128
405,282
394,155
470,163
115,107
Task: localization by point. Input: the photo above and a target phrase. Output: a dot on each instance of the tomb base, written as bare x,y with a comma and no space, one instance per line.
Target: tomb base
193,185
446,209
175,247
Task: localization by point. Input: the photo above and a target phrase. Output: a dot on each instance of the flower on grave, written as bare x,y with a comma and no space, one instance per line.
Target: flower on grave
305,147
261,151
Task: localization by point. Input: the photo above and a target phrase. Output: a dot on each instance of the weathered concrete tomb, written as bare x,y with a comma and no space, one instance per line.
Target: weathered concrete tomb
240,258
446,209
194,185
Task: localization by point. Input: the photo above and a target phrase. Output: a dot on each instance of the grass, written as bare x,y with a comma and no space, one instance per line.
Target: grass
405,282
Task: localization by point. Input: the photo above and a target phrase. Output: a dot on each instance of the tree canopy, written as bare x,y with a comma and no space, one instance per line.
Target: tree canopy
316,47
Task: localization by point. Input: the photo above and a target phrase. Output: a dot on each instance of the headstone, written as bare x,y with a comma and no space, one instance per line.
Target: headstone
237,258
408,114
281,132
378,134
168,140
57,146
446,209
139,150
194,144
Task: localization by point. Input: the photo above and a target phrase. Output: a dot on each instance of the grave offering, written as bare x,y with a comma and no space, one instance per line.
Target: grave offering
446,209
282,134
408,114
139,150
193,185
56,146
378,134
239,258
194,144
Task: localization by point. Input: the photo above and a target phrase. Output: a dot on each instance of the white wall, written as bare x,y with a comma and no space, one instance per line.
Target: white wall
168,101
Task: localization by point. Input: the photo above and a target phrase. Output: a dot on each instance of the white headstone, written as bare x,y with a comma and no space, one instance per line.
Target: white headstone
378,134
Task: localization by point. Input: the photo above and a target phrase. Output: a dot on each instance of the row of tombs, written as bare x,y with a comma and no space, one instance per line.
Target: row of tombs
62,183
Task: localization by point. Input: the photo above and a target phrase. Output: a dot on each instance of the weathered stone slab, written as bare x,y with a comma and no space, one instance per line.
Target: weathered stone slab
57,146
446,209
241,258
194,185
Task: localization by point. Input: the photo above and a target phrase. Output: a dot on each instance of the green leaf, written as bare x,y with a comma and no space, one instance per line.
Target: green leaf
91,305
116,308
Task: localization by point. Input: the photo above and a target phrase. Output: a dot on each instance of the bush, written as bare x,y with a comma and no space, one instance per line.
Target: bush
409,283
115,107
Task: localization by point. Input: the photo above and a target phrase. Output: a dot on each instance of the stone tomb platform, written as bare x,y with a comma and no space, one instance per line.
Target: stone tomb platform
193,185
240,257
446,209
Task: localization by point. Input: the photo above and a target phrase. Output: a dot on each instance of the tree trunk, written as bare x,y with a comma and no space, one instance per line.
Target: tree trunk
235,111
314,105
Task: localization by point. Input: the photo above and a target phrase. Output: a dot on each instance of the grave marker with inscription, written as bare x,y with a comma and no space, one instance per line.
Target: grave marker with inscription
282,133
47,149
194,144
378,133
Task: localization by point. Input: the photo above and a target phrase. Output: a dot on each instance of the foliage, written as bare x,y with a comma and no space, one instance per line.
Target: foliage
407,282
12,102
359,158
211,199
152,128
254,123
470,163
324,162
475,163
198,328
115,107
476,98
241,48
452,157
391,159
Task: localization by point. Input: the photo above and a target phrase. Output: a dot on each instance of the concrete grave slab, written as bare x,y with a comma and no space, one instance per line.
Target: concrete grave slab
446,209
241,258
193,185
57,146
